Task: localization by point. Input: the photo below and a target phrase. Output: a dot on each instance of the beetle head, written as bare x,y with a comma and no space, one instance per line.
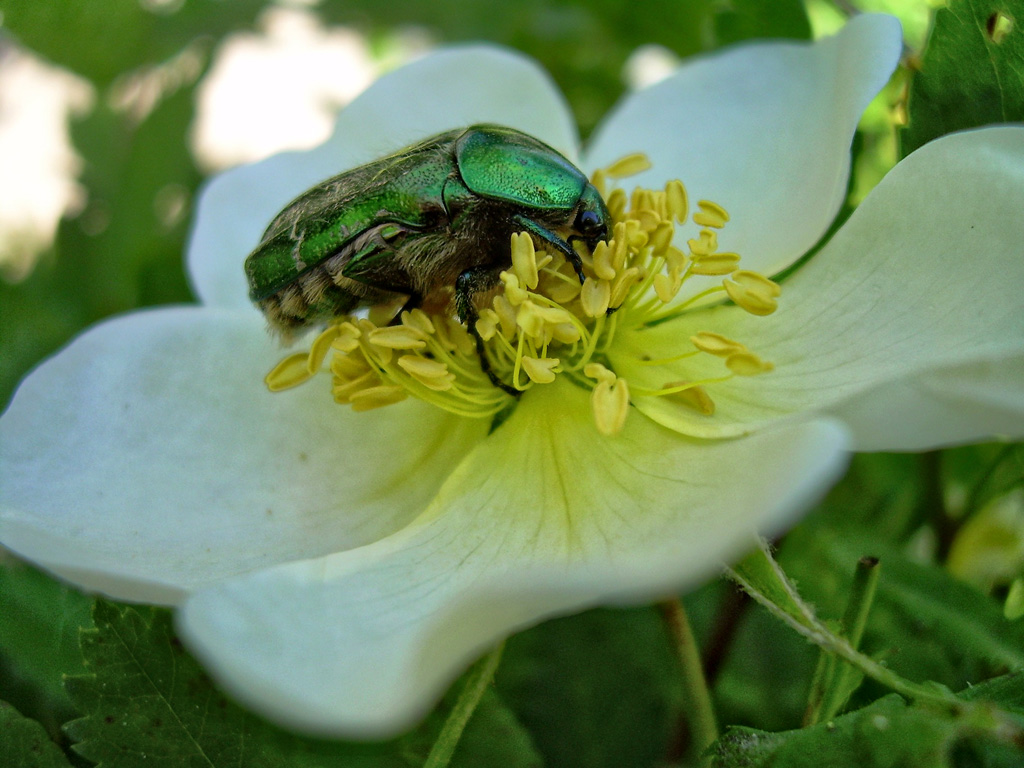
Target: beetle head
592,219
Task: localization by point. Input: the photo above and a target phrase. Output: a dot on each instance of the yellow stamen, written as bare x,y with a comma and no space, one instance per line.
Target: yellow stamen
677,260
346,388
290,372
347,338
348,367
705,245
602,258
398,337
661,237
321,346
623,283
753,292
678,205
716,264
487,324
524,260
616,202
747,364
418,320
513,292
540,370
630,165
647,219
693,396
540,322
595,297
667,286
610,402
430,373
710,215
377,397
716,344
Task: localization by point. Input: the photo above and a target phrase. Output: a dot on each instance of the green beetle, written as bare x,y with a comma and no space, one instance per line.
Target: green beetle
430,224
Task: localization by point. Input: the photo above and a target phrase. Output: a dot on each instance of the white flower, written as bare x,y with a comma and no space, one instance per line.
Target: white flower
335,570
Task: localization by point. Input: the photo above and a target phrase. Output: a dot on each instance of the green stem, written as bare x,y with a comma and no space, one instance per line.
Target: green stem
833,681
762,578
476,683
701,714
862,595
768,585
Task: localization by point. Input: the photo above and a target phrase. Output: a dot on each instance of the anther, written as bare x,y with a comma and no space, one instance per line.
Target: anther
595,297
429,373
603,262
397,337
290,372
692,396
675,194
320,347
753,292
715,264
540,370
610,403
347,338
377,397
747,364
524,259
630,165
716,344
710,215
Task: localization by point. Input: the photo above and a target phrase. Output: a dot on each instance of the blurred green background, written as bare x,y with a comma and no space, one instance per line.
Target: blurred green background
112,112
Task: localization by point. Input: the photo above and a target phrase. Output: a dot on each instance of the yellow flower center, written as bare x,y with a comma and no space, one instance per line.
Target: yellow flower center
541,323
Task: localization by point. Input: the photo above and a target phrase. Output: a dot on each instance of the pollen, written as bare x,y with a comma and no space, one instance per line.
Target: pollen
541,323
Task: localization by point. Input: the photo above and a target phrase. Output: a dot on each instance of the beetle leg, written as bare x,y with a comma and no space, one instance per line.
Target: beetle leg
552,239
469,283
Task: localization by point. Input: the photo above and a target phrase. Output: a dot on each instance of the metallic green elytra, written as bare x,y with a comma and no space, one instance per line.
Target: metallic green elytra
429,225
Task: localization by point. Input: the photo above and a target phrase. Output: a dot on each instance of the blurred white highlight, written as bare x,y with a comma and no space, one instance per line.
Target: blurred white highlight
279,89
37,185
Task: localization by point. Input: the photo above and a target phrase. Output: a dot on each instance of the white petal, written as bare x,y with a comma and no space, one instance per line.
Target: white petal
926,275
962,404
447,89
545,516
148,459
764,130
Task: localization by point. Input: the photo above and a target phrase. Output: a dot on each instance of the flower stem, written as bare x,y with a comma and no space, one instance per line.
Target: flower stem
701,714
476,683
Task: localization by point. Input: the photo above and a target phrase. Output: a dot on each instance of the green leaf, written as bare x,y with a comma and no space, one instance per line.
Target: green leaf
147,699
927,624
24,743
738,20
887,733
971,73
595,690
1007,691
121,247
39,641
978,474
102,39
493,736
766,673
